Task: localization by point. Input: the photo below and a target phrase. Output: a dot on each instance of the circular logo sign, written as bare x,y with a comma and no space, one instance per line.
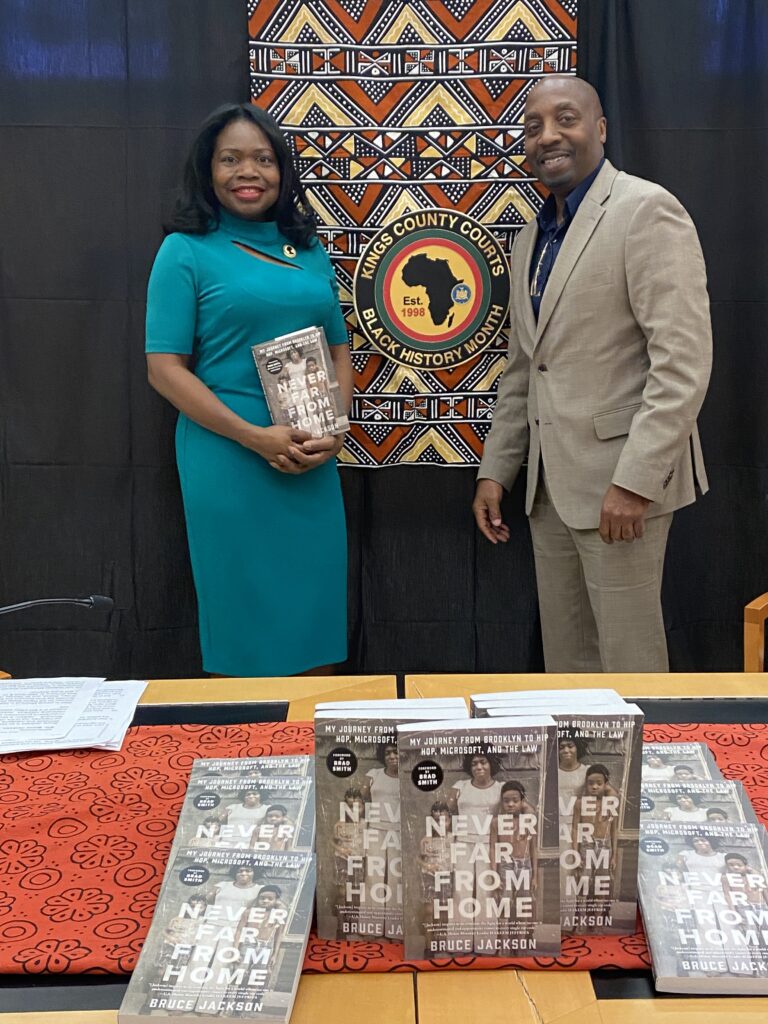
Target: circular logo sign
431,289
427,775
206,801
195,874
341,762
654,846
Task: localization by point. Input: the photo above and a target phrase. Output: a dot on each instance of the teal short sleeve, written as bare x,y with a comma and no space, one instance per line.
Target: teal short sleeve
334,325
172,298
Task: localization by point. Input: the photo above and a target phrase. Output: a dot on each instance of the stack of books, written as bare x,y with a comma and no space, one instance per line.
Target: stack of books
492,835
599,761
489,835
703,875
233,916
359,856
480,849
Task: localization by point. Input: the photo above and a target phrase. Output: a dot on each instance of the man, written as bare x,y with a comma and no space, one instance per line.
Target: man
609,359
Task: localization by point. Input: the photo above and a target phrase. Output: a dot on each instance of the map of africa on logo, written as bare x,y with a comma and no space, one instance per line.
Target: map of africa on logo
432,289
436,276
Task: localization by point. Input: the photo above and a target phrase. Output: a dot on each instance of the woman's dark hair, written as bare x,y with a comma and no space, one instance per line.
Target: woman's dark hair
577,741
713,841
197,209
513,784
653,753
241,867
246,792
381,751
493,761
693,797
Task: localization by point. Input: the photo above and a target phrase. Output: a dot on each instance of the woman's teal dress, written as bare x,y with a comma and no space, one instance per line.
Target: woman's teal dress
268,549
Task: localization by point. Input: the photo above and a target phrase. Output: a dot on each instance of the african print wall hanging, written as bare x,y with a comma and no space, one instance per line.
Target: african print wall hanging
405,118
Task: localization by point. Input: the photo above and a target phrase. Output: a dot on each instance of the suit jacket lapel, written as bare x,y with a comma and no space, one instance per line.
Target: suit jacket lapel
523,296
591,209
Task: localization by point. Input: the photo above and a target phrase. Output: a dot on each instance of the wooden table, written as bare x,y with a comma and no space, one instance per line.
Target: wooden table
485,997
569,998
628,684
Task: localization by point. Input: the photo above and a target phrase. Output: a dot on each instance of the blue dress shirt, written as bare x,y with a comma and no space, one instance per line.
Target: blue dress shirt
551,235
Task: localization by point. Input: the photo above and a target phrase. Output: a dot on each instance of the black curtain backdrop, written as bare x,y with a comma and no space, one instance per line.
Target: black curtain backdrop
99,100
685,89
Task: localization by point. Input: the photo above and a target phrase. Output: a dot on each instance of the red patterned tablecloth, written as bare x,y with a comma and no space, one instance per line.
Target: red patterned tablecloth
84,837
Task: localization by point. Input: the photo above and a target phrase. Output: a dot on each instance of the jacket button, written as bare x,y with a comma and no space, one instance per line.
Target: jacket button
536,421
542,367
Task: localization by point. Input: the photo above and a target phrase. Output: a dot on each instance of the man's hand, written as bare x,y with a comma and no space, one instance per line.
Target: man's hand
487,510
622,516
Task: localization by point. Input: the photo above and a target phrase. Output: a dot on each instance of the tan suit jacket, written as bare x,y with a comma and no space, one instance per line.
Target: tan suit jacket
607,386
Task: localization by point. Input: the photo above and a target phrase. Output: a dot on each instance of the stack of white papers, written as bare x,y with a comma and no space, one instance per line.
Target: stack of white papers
67,713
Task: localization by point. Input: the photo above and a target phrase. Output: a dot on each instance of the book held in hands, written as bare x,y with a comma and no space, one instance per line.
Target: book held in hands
300,384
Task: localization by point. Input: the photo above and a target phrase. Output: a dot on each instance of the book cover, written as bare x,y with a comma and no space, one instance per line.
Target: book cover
678,762
359,865
300,386
704,897
227,938
599,763
702,800
397,703
479,702
480,838
253,767
241,812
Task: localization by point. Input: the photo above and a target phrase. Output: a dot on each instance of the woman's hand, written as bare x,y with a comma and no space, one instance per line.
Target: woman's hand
289,450
279,446
310,454
328,447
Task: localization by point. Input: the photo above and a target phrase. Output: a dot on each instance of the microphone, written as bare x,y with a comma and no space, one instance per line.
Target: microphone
98,602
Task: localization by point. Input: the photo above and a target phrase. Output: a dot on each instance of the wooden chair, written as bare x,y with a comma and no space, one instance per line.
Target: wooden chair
755,614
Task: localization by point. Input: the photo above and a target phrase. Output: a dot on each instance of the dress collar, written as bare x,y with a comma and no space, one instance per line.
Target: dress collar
255,233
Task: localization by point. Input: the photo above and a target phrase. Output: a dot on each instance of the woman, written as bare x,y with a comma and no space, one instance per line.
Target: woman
383,865
656,769
249,813
702,857
687,808
571,776
233,898
476,799
242,265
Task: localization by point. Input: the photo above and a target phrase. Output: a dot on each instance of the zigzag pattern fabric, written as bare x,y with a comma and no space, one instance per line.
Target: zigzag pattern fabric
397,107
